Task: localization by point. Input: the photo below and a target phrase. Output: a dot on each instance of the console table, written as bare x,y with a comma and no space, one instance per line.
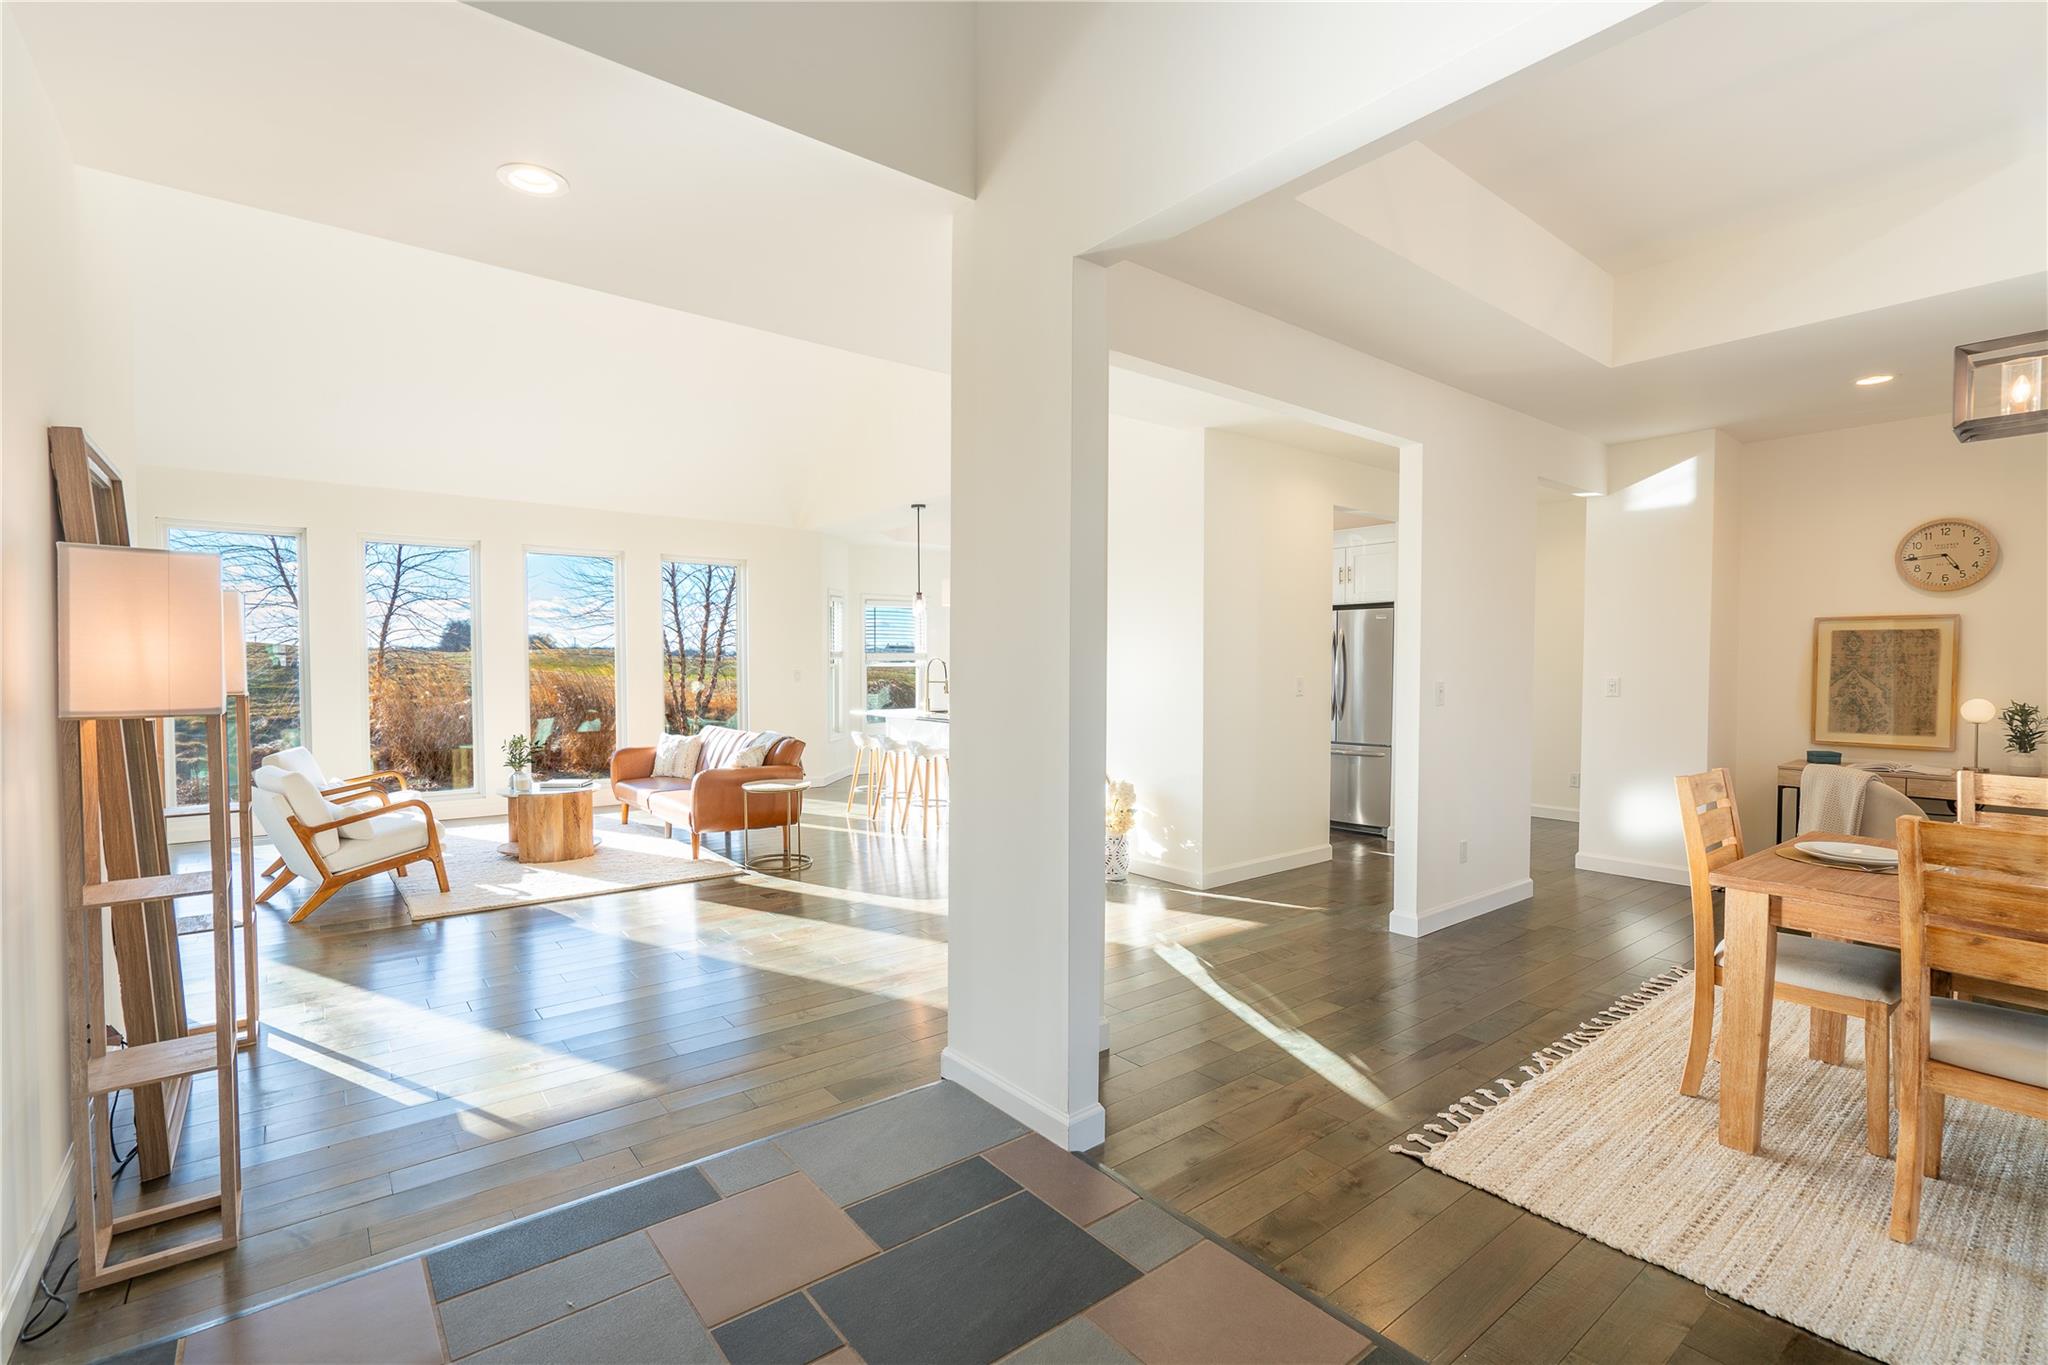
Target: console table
1919,786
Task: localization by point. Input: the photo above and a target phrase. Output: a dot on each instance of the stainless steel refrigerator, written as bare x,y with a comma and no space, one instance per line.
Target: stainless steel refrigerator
1362,717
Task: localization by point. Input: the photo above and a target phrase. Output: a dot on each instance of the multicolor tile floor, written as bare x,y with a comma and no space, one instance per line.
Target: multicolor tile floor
928,1227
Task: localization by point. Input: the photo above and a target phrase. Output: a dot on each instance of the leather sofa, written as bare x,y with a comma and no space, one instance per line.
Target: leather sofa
708,803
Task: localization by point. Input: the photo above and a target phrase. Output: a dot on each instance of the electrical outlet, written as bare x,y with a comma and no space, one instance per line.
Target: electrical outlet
1299,684
1464,851
1439,694
799,675
1613,686
1575,781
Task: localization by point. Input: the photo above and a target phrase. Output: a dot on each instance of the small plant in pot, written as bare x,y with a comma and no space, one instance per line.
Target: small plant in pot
1119,813
2023,736
519,755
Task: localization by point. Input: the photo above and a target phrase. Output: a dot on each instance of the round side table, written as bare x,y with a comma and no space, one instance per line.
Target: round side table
791,790
549,824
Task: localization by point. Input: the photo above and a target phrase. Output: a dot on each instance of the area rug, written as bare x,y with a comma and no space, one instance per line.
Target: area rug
1594,1135
481,878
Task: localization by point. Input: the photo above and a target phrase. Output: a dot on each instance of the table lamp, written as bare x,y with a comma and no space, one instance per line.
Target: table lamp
138,633
1976,711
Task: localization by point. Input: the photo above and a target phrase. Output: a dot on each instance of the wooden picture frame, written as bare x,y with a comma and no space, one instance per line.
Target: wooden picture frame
1885,682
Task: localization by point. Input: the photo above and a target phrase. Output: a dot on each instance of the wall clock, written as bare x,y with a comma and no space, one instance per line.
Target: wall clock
1946,554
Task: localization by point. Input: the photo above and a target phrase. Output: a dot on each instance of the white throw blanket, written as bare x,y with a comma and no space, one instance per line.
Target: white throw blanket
1831,798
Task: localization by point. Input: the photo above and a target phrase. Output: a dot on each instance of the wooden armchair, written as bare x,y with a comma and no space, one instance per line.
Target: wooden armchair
357,793
1973,901
332,846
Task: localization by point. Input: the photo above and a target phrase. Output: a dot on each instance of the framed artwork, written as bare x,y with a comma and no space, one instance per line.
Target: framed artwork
1885,682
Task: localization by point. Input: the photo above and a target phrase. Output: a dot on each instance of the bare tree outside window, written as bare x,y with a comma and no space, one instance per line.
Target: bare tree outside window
417,607
700,645
572,661
264,567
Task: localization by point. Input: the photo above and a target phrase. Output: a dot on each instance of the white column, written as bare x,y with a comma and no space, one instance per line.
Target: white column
1030,418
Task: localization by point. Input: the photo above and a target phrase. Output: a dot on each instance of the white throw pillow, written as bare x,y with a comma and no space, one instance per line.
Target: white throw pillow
692,753
668,753
749,758
310,807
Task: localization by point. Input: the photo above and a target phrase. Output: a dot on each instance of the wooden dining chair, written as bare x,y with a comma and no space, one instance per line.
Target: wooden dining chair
1996,801
1837,981
1972,901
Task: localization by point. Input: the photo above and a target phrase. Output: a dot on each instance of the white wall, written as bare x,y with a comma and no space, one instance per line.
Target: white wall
1559,581
1656,570
1266,648
1821,519
1157,680
39,357
1467,526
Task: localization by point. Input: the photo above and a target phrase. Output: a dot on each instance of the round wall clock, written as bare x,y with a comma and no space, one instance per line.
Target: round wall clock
1946,554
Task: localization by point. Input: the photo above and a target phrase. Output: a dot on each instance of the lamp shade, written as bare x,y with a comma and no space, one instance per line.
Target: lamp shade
138,633
1977,711
234,650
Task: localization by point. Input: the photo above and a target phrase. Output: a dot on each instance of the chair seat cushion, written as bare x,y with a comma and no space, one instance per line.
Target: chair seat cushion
377,826
1818,964
400,836
1990,1038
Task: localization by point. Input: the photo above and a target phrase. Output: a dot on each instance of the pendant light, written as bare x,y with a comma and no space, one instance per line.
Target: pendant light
917,621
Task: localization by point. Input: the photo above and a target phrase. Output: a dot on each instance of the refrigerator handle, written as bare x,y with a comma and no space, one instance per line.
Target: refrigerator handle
1336,676
1343,682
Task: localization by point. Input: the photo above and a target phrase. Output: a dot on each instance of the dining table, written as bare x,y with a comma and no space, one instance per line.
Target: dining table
1781,888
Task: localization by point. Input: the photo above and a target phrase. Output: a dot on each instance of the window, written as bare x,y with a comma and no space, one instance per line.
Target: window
572,661
889,647
700,645
264,567
418,611
835,665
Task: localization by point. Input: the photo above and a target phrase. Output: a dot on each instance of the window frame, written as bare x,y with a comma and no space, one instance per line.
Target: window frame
477,785
835,667
620,599
742,673
168,759
868,599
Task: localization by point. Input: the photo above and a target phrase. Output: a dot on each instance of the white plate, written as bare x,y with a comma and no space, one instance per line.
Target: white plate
1852,855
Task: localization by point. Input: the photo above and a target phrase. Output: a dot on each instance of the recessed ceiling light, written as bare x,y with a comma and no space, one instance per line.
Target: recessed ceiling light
528,178
1869,381
1579,493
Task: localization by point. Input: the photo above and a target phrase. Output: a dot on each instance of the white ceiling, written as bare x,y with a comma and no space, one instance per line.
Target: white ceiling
391,119
1696,141
1731,111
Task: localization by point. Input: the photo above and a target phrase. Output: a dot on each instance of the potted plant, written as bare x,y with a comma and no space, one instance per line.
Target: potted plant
1119,813
2023,736
519,755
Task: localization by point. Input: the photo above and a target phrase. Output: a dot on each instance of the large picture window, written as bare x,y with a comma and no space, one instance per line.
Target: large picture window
419,606
572,661
264,567
889,650
700,645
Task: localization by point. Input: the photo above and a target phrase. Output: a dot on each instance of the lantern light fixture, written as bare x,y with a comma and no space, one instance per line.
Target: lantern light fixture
1999,387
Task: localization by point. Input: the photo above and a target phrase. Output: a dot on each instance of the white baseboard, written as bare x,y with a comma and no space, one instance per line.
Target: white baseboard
1570,813
828,777
21,1277
1229,874
1457,912
1630,867
1077,1132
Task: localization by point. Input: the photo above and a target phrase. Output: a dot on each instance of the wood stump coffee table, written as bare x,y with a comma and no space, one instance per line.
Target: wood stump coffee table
550,824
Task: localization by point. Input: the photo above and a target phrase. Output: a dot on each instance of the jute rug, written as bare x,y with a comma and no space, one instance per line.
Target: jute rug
481,878
1594,1135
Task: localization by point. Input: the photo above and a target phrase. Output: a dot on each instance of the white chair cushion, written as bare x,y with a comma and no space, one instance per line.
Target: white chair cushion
399,836
1818,964
379,825
1989,1038
271,810
306,803
298,760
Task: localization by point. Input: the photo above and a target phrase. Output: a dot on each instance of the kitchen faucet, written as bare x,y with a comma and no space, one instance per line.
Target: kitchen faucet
942,682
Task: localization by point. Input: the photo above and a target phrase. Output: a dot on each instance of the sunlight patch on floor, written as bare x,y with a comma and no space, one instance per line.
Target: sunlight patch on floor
1304,1049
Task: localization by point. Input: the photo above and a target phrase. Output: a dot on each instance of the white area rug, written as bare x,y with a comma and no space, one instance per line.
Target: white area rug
481,878
1603,1143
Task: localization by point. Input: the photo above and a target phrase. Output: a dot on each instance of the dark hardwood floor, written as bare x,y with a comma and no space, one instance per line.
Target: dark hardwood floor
420,1082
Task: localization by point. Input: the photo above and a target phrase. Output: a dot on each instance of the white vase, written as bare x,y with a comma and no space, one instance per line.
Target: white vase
522,781
2027,765
1116,857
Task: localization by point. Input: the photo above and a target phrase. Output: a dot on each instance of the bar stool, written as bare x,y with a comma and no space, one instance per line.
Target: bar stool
926,759
867,755
897,770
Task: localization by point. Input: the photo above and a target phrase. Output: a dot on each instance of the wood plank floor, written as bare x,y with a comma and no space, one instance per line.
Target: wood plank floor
420,1082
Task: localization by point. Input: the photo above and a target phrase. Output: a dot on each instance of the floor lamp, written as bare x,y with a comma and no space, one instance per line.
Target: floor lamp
139,637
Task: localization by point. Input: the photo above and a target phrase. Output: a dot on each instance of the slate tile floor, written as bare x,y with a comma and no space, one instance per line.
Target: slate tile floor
926,1228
